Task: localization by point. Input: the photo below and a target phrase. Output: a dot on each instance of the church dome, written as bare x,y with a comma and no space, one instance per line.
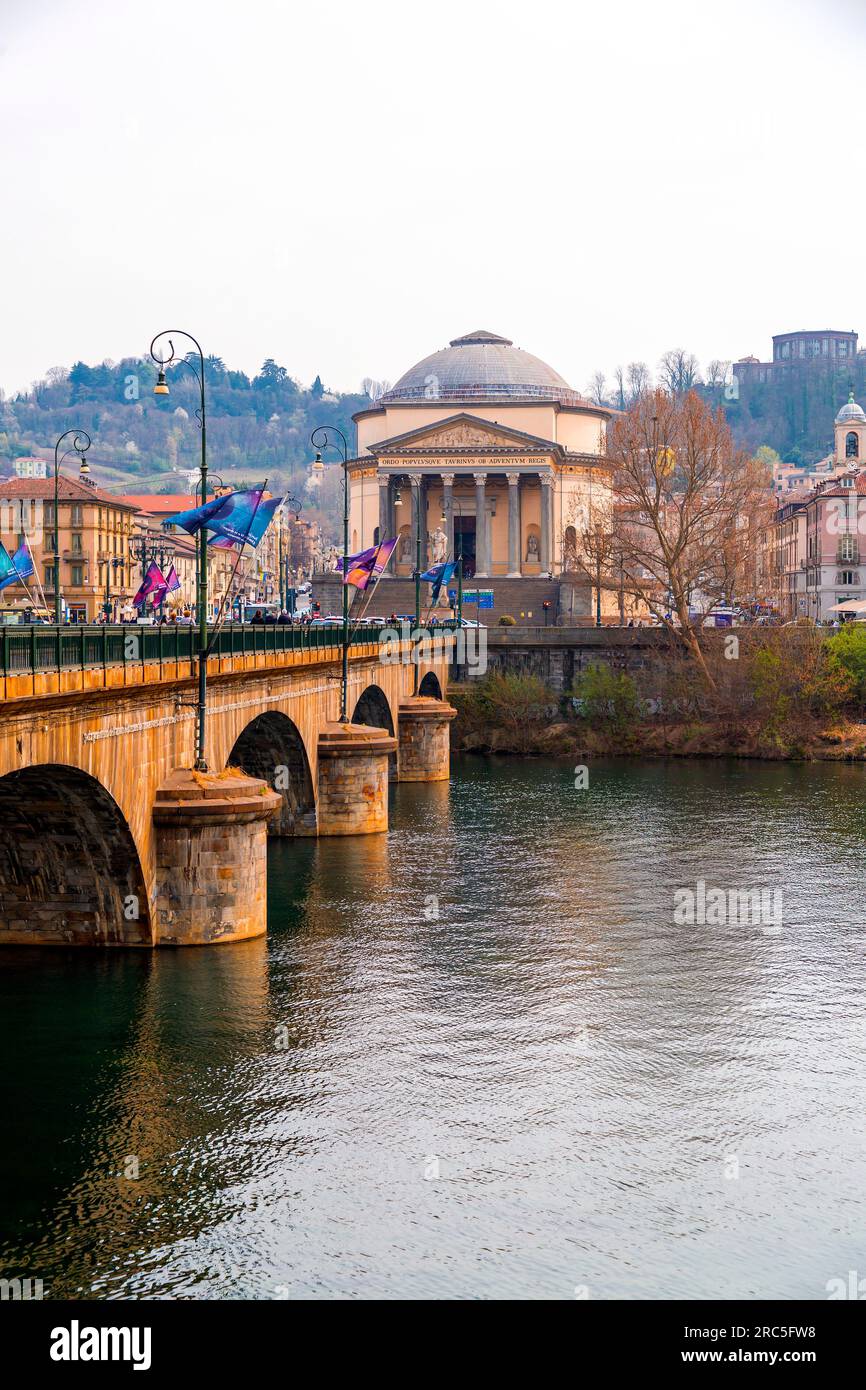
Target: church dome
481,366
851,413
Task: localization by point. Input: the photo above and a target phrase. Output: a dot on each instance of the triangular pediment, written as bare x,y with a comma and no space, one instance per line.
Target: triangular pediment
463,431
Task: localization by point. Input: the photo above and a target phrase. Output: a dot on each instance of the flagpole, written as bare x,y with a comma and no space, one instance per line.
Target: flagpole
324,433
161,389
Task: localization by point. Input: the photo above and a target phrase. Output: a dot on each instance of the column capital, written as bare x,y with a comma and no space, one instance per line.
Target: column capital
480,479
546,479
447,479
415,480
383,479
513,479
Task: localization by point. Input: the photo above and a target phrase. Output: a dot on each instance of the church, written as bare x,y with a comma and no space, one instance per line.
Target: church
504,463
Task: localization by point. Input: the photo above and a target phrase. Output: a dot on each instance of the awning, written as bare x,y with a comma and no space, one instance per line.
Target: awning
850,606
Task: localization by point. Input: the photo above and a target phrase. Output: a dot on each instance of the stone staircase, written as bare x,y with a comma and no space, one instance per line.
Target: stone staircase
522,599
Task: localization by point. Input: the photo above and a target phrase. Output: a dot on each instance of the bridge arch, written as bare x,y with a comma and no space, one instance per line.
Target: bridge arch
271,747
70,871
430,686
372,708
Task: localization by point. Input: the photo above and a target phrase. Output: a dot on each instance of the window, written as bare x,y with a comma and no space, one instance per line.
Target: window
852,446
76,542
77,576
49,576
77,518
49,513
843,349
847,547
847,577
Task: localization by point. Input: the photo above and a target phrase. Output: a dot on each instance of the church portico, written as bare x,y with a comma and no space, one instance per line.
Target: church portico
490,455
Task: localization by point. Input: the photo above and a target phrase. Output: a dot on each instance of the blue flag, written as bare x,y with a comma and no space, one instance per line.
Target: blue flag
14,569
196,517
238,518
438,575
245,522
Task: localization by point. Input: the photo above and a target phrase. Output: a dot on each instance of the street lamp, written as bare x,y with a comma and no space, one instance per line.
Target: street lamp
80,444
459,557
115,563
290,504
161,389
398,501
321,440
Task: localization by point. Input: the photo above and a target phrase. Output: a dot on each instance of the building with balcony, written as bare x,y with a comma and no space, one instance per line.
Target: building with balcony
819,536
91,535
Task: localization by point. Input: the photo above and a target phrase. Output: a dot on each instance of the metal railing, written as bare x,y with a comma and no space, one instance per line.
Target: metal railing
37,647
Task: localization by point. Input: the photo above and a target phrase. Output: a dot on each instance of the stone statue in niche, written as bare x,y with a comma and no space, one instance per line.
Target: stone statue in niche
533,555
438,545
404,555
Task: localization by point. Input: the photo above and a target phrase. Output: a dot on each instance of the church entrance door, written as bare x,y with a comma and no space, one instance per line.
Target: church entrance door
464,542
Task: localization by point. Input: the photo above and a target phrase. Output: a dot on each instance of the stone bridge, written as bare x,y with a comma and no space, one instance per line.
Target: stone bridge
107,836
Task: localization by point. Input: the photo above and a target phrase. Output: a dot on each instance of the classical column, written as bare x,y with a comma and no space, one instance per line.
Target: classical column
546,520
513,525
384,502
415,486
481,559
448,509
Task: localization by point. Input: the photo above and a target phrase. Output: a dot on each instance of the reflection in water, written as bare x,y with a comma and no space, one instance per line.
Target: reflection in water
474,1057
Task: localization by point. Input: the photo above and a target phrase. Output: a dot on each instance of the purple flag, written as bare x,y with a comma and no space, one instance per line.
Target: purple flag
152,585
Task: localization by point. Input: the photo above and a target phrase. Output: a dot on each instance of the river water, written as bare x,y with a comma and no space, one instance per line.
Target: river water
476,1057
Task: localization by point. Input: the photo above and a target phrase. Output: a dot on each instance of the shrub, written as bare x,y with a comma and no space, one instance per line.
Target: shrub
607,697
846,658
507,621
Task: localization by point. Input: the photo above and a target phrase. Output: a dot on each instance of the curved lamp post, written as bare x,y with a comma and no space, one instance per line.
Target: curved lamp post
80,444
161,389
321,439
290,504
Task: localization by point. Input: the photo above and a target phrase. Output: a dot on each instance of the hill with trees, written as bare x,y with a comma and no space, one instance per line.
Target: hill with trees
792,414
257,427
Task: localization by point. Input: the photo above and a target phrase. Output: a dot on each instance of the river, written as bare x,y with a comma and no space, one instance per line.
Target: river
476,1057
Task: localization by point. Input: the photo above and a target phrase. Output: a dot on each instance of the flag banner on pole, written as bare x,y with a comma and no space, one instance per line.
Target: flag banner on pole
153,585
14,569
23,561
245,521
193,520
367,564
438,575
171,580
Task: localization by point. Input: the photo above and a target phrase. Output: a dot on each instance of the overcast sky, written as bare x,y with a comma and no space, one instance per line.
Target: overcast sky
347,186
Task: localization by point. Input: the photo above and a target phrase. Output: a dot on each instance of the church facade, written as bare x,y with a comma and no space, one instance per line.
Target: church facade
504,464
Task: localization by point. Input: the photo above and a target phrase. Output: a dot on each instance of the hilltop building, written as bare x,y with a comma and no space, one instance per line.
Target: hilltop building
803,348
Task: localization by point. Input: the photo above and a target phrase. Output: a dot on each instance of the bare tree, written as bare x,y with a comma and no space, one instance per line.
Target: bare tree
679,371
621,398
597,388
717,373
682,492
373,388
639,380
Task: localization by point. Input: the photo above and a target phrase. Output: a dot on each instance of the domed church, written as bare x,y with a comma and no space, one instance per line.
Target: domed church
506,463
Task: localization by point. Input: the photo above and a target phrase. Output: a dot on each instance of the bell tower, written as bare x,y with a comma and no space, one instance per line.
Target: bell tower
850,430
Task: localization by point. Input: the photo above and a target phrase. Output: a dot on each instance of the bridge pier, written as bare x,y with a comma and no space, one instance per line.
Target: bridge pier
353,779
211,857
425,739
